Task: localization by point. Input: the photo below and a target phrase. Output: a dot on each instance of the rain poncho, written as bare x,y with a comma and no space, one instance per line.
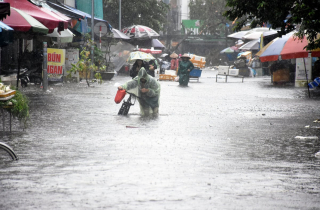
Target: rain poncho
149,101
183,72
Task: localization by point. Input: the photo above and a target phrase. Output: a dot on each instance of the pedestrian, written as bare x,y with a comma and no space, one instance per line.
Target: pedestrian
137,66
148,92
185,66
174,61
152,67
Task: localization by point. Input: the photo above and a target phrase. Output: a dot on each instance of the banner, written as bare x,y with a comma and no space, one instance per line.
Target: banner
192,25
56,63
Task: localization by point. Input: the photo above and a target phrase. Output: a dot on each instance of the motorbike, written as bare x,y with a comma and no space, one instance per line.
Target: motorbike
26,76
164,65
24,79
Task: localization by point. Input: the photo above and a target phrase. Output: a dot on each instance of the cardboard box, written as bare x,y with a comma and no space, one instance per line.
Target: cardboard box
167,77
234,72
223,70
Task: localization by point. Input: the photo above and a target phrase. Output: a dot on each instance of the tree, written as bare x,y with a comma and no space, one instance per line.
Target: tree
211,13
150,13
285,15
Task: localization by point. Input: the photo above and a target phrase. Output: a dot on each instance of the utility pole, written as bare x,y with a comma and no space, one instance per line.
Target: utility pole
92,31
119,15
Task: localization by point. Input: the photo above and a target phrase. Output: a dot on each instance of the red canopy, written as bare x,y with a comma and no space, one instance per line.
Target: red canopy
20,21
152,51
43,16
294,48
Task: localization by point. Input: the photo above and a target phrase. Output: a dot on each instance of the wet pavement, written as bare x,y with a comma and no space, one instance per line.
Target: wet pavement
215,145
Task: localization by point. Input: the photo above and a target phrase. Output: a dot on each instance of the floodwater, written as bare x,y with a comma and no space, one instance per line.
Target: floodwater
215,145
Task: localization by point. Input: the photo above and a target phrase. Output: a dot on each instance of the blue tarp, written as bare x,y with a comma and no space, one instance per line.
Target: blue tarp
5,27
66,11
6,34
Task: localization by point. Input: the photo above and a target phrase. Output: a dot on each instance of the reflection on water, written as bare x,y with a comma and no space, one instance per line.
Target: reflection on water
211,144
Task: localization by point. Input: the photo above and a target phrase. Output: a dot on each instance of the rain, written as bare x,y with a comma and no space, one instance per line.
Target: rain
239,130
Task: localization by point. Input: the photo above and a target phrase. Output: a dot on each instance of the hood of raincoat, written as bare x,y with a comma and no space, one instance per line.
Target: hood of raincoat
143,74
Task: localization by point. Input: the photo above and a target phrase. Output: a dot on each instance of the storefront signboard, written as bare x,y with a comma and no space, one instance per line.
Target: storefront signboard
56,63
303,66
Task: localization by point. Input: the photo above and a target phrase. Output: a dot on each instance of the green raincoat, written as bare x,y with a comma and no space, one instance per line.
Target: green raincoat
148,101
183,72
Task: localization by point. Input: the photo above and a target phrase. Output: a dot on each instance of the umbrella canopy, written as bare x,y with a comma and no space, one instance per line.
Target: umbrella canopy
254,33
294,48
140,32
265,47
252,45
118,34
229,50
257,34
287,47
152,51
238,35
138,55
157,43
21,21
272,52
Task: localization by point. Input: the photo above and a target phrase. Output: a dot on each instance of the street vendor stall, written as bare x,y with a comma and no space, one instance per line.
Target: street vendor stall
5,95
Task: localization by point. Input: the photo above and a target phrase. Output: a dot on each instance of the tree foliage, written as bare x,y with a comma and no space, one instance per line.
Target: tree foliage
282,15
211,13
152,13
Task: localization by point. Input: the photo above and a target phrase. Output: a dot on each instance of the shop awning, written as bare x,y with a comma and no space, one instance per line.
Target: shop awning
65,36
45,6
83,13
4,10
48,19
66,11
22,22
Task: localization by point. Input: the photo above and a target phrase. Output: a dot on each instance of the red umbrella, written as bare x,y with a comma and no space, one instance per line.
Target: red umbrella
140,32
294,48
288,47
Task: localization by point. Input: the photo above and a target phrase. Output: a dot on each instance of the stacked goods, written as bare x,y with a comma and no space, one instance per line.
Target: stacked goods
5,91
167,77
198,61
281,75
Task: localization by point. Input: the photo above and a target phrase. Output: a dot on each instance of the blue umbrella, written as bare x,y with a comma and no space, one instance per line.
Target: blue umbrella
6,34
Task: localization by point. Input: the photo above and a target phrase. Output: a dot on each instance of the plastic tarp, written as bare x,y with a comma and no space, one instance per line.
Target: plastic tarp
65,36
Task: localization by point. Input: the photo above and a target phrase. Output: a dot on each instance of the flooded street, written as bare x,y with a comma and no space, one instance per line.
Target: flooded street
215,145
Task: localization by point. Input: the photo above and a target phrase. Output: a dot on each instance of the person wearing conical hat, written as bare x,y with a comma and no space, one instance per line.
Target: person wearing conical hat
185,66
174,61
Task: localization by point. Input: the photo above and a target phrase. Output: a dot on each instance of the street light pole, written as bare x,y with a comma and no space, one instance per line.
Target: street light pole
119,15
